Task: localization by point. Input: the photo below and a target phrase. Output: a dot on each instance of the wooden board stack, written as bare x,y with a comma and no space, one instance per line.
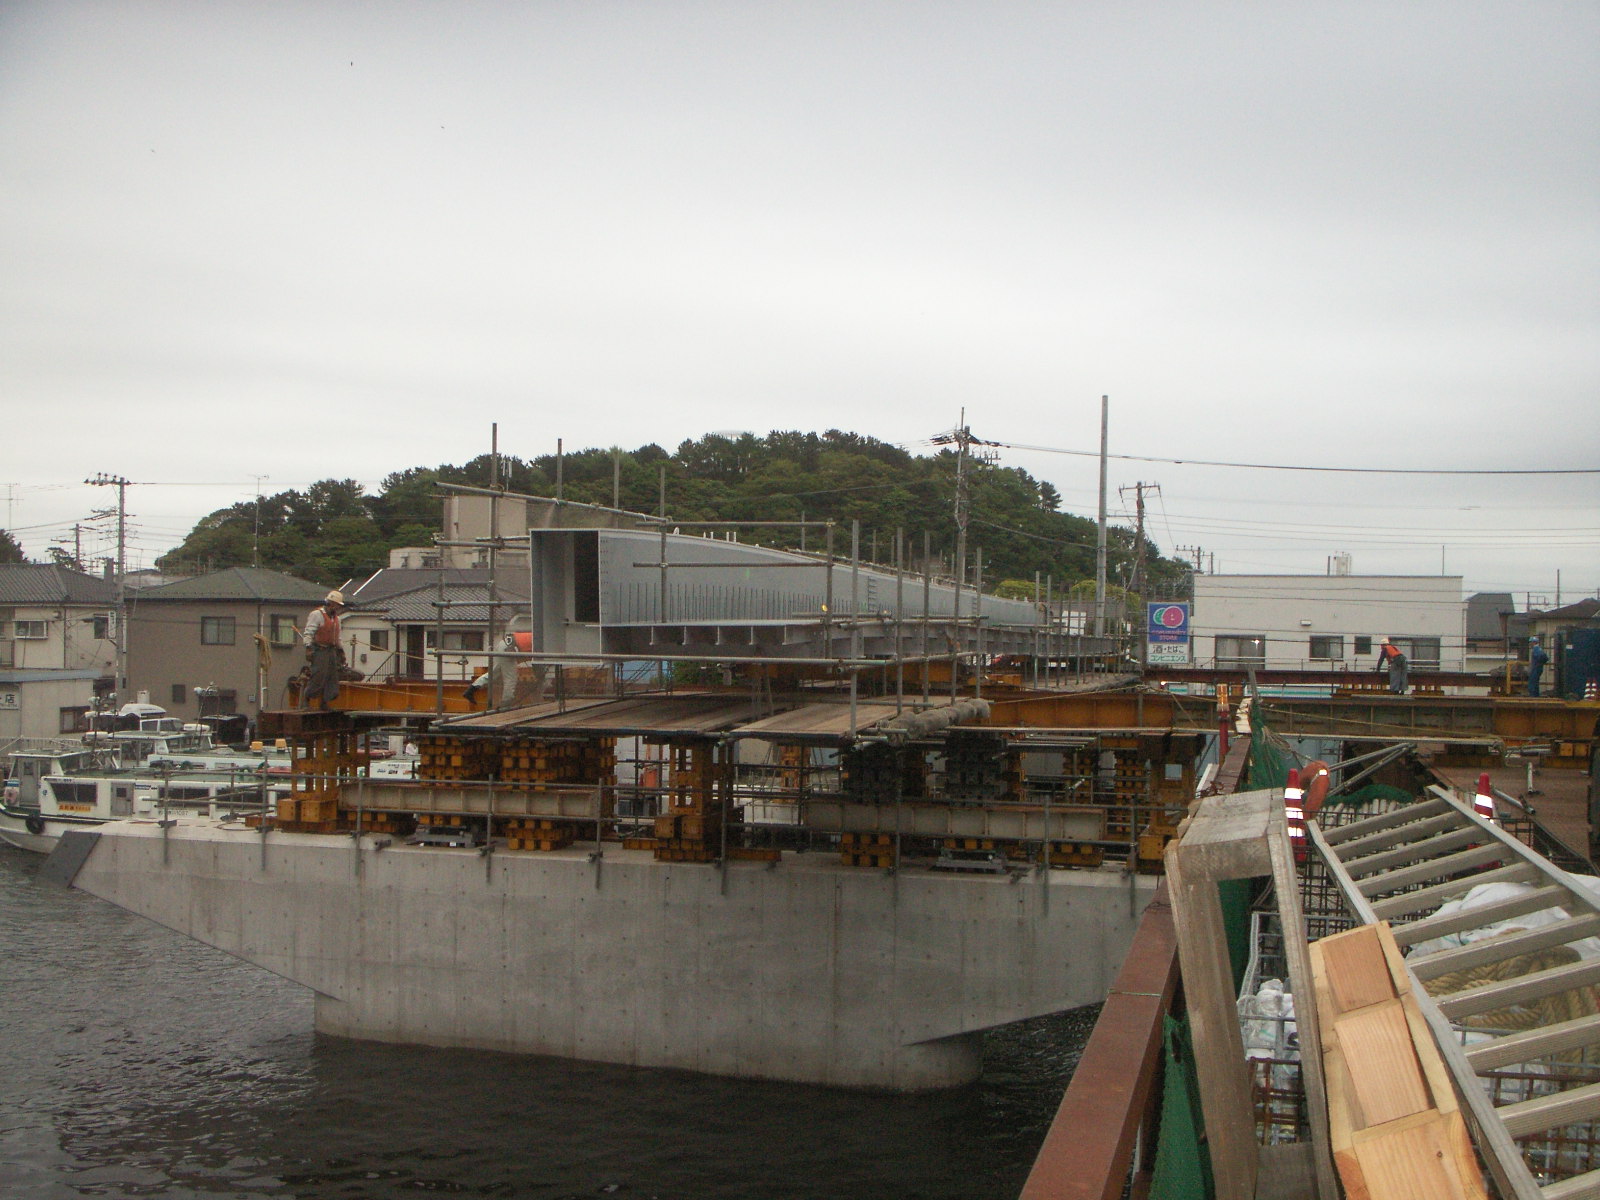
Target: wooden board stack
1394,1117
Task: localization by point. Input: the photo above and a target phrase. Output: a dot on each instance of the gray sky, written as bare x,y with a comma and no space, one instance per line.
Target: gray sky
340,239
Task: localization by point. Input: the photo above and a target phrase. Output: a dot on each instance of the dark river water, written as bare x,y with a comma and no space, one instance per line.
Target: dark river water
135,1062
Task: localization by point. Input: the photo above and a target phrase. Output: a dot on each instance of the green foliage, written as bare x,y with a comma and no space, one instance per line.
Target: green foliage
10,548
333,531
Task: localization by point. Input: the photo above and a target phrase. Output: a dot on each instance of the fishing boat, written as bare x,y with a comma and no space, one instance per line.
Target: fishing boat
50,789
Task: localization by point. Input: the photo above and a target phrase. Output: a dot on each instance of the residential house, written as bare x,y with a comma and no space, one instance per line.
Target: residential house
399,616
224,642
1497,634
57,647
1335,622
1571,637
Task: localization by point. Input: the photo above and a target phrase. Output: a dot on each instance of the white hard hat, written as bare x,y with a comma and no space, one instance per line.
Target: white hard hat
335,597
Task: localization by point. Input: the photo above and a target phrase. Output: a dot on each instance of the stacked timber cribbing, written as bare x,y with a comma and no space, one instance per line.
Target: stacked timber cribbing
866,849
871,773
440,757
527,833
520,761
975,765
535,762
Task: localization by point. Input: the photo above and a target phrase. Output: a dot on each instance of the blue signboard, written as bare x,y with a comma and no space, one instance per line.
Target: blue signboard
1167,634
1168,622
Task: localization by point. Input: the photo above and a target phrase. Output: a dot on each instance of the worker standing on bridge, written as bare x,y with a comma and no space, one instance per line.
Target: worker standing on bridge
1391,660
1536,661
321,640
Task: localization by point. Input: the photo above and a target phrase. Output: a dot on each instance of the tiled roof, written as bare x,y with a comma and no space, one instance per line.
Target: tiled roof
469,604
393,581
31,583
1587,609
1484,615
238,583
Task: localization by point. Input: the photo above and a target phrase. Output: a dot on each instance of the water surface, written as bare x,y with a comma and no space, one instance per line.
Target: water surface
135,1062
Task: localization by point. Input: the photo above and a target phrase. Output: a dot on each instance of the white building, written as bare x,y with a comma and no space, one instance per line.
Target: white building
1336,622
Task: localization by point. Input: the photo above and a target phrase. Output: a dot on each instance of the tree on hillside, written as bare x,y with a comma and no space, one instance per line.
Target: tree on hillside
10,548
333,530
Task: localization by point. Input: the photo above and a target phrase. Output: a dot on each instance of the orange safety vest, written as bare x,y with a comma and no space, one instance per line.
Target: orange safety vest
522,642
327,633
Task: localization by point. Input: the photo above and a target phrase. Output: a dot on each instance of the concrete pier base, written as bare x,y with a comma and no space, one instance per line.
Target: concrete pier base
805,970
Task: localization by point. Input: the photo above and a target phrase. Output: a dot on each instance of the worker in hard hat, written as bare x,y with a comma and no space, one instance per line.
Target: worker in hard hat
1391,660
1536,661
321,640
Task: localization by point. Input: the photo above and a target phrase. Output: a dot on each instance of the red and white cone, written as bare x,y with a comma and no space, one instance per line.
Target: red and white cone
1294,811
1483,801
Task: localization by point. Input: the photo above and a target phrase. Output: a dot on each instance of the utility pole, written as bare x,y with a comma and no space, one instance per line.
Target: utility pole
1100,535
255,535
121,643
1136,582
963,440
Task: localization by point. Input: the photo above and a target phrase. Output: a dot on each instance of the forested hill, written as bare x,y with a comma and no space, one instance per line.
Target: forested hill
334,530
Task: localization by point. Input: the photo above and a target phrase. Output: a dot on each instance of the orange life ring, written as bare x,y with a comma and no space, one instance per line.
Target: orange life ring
1315,778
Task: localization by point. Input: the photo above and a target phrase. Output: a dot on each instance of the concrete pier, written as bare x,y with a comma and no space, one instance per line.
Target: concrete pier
804,970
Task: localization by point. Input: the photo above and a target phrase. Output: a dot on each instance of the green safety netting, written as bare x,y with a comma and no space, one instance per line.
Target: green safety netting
1183,1165
1269,763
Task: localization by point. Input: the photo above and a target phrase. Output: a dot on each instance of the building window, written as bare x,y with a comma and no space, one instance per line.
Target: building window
74,720
178,694
214,700
281,630
1363,645
1241,650
102,627
458,639
1421,652
378,639
31,629
1329,647
216,631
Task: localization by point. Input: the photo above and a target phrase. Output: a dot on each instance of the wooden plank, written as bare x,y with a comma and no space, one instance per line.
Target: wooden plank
1399,816
1529,1044
1387,860
1502,1155
1387,1083
1287,1172
1415,1161
1579,1187
1438,868
1394,1125
1297,954
1354,965
1432,897
1571,1107
1358,850
1508,945
1219,1060
1540,898
1506,992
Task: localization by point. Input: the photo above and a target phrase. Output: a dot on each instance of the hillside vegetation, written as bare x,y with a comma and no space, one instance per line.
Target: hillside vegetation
334,531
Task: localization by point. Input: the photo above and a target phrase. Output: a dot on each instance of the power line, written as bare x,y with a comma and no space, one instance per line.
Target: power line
1204,462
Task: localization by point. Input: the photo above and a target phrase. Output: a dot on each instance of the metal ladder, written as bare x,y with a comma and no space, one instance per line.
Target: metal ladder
1401,867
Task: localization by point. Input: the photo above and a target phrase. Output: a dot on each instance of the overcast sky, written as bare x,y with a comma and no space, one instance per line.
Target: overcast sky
328,239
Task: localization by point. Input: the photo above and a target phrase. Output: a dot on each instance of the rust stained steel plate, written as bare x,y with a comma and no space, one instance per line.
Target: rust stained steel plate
512,717
651,714
819,720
